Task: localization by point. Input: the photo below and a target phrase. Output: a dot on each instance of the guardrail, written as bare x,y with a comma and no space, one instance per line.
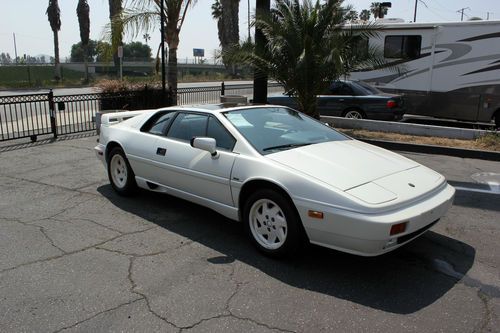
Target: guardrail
29,116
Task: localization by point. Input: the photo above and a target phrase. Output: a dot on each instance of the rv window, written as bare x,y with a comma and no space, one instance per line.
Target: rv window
406,47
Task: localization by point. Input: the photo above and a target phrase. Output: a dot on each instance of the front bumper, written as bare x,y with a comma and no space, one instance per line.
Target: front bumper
369,234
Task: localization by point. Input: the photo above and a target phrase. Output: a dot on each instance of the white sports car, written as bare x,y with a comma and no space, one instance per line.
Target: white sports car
286,176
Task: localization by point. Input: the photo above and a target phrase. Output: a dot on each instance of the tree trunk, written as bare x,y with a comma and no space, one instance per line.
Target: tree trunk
229,33
172,73
260,78
86,62
115,8
57,64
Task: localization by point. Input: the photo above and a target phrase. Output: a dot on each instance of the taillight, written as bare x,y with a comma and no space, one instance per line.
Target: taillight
391,104
398,228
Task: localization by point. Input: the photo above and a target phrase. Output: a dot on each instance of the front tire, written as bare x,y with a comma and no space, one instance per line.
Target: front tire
120,174
272,223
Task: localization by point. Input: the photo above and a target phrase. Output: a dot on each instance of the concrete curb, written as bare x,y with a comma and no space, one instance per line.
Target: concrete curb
405,128
438,150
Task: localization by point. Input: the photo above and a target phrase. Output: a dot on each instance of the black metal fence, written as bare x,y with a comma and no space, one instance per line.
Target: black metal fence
29,116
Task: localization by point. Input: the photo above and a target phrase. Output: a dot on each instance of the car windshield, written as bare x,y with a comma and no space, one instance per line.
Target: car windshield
273,129
370,89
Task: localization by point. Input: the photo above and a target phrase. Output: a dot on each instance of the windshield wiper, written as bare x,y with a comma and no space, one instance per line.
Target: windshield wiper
287,146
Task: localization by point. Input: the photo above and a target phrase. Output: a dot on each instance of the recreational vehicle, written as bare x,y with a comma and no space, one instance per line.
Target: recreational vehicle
446,70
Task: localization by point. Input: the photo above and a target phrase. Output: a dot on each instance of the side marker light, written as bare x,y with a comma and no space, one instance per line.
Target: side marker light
315,214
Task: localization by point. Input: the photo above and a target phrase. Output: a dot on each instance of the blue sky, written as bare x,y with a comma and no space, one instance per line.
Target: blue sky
27,19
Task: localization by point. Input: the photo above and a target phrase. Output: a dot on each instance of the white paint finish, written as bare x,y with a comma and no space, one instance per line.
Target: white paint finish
316,177
343,164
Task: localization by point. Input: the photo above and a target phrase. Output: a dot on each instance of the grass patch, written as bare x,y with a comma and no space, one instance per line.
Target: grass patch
490,141
37,76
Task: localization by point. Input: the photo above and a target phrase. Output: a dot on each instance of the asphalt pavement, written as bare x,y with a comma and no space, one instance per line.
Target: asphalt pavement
75,257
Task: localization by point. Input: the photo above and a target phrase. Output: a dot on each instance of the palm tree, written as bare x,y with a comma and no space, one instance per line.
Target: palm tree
375,8
364,15
54,15
226,12
115,12
83,13
308,47
144,15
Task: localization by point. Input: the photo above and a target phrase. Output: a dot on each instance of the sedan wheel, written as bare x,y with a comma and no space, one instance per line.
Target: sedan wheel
120,173
272,223
354,114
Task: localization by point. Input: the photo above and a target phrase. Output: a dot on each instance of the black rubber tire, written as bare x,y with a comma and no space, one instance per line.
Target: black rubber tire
295,238
363,115
130,186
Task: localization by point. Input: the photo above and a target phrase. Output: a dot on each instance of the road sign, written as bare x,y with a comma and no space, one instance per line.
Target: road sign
198,52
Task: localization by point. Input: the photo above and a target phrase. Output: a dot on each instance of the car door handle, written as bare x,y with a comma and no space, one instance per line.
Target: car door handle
161,151
341,100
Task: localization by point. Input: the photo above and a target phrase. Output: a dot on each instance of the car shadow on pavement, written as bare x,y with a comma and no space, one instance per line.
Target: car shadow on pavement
402,282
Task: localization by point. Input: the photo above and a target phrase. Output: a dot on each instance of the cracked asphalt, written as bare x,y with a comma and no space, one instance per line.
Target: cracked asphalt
75,257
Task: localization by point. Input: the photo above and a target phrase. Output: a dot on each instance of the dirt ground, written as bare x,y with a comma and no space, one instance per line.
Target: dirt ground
487,142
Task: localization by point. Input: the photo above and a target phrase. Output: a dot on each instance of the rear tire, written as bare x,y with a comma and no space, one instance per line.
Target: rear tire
273,224
354,114
120,174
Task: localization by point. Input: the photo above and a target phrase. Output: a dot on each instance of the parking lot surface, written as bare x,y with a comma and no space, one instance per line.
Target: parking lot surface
75,257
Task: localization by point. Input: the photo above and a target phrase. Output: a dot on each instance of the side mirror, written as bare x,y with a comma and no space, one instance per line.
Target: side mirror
204,143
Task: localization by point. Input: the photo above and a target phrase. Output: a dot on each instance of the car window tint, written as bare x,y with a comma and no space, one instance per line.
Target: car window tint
220,134
159,126
159,122
188,125
340,88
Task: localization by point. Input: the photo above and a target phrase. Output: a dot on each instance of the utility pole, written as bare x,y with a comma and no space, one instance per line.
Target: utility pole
248,22
15,46
461,10
415,12
488,15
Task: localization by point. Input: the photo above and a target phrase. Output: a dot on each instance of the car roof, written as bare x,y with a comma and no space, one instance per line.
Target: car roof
218,108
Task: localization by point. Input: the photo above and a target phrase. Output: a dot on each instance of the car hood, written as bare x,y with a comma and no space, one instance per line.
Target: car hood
343,164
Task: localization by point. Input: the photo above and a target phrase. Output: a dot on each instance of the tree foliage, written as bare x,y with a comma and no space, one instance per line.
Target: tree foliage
365,15
308,47
99,51
144,16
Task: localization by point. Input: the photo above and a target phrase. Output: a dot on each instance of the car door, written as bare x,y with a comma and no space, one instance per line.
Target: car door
141,151
195,171
337,99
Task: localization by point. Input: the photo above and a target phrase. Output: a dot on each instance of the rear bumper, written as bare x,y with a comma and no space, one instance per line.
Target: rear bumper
369,234
100,152
390,114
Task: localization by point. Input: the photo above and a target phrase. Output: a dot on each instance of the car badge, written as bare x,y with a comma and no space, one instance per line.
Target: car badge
411,185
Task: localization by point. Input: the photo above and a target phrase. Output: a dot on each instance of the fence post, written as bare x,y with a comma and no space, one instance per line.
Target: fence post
52,109
222,89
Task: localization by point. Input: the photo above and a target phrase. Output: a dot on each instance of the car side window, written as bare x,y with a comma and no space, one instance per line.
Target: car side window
158,123
188,125
217,131
340,88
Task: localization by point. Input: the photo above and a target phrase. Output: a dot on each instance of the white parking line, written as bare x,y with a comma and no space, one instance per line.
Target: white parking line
478,190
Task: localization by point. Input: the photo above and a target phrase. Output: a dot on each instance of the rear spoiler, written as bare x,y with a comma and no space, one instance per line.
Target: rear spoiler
118,117
113,118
